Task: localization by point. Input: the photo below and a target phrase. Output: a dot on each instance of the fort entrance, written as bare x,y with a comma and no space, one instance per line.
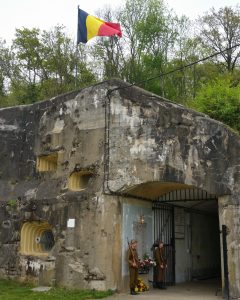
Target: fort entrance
186,219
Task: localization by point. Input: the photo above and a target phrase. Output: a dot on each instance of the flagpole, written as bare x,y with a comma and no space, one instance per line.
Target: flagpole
76,67
76,55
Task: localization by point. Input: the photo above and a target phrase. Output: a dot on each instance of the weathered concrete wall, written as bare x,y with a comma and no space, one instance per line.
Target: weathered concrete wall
154,140
229,215
72,126
150,139
89,255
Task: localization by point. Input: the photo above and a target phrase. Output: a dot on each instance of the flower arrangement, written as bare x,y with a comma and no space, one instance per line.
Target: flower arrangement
141,286
145,264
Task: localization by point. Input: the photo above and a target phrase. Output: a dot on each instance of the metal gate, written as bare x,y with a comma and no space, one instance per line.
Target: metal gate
225,261
164,230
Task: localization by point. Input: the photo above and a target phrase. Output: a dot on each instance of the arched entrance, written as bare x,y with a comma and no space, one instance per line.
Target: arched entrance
154,147
186,219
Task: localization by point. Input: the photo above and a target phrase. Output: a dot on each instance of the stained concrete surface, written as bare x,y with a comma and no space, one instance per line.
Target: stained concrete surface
134,144
200,290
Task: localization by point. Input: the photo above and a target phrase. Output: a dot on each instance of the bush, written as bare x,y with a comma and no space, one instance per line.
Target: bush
220,100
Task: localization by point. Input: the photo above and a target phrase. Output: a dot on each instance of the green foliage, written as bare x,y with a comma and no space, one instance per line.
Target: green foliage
220,30
12,203
27,47
24,93
151,32
220,99
40,65
12,290
4,101
43,65
5,69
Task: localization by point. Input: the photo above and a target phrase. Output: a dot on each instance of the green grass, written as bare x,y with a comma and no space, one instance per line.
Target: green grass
11,290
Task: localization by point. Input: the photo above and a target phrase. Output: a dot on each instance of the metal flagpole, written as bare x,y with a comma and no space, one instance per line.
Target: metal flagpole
76,66
76,54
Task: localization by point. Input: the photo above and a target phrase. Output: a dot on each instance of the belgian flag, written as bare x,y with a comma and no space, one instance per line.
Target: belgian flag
90,26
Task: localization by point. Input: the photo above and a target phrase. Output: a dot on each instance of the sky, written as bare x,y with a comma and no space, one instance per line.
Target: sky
46,14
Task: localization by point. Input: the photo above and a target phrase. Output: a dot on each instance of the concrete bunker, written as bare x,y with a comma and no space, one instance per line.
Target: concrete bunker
143,148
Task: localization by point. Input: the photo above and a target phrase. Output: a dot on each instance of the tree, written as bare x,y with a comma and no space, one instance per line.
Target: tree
60,63
220,100
28,48
43,65
26,62
220,30
6,71
150,31
2,67
181,85
132,12
106,54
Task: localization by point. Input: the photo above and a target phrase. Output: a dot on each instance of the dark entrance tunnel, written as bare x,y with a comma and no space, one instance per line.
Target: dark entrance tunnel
186,220
195,237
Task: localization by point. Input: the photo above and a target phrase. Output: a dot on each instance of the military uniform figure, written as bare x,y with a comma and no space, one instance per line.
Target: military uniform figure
161,266
133,263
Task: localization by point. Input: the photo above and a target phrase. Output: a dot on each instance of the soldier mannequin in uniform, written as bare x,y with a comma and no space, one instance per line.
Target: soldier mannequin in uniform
161,265
133,263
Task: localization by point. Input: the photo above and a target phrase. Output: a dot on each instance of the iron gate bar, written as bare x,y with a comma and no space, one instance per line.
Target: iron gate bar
185,200
164,230
188,209
127,195
186,195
